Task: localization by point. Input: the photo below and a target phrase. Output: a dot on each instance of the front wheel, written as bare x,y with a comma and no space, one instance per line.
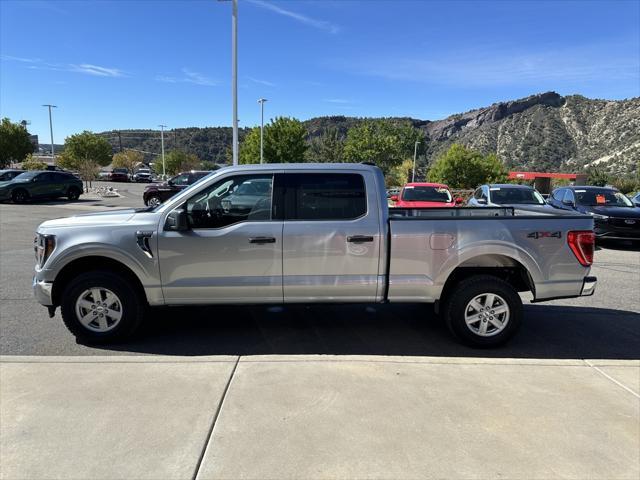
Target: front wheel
101,307
19,196
154,201
484,311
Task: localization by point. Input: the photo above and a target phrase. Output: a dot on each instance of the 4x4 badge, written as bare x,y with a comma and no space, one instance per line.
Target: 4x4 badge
538,235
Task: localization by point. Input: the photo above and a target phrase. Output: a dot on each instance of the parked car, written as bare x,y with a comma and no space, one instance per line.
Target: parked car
119,175
157,193
615,216
328,236
509,195
36,184
425,195
143,175
9,174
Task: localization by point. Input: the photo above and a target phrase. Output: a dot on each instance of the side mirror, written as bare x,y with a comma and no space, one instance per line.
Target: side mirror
394,198
482,201
176,221
459,201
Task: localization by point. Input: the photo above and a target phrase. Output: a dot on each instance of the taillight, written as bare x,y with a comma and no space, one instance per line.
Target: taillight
582,244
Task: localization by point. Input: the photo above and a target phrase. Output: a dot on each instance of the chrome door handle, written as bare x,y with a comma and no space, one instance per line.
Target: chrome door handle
360,238
262,240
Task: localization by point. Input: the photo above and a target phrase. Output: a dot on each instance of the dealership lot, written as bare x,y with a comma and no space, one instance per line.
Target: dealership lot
357,391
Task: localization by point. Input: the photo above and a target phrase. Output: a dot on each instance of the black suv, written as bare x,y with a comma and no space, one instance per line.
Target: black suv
157,193
35,184
615,216
9,174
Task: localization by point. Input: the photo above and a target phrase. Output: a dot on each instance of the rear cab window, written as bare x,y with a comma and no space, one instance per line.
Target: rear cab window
324,196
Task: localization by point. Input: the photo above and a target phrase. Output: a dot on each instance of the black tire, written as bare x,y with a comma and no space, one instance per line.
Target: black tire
456,309
132,311
152,198
73,193
20,195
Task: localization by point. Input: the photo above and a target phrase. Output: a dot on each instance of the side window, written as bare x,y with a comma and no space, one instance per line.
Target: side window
325,196
483,193
182,179
478,193
558,194
231,200
568,196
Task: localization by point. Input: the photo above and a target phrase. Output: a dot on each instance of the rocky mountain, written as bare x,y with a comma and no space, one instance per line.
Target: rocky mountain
543,132
547,132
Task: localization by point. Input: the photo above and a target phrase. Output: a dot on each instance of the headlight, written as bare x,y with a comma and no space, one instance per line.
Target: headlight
597,216
43,245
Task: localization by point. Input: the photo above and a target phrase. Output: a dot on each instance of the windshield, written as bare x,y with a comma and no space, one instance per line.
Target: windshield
602,198
426,194
186,191
26,176
515,196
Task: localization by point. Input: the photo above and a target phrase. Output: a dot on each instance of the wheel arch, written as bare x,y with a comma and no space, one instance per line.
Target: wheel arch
94,262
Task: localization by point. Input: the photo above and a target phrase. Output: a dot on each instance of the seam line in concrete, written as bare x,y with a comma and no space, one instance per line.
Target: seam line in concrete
612,379
215,419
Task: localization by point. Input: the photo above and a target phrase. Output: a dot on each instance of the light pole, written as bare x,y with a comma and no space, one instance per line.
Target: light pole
234,74
162,127
53,154
261,102
415,154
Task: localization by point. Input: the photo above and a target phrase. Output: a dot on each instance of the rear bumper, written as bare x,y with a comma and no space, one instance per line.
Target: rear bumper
588,286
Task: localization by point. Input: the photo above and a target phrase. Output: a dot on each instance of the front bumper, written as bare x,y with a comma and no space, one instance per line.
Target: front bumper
605,230
588,286
42,292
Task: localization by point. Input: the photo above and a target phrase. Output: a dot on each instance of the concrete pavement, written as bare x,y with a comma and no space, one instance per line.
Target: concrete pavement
322,417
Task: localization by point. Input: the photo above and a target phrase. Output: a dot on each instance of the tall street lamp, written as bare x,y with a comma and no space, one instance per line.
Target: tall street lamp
261,102
162,127
234,75
415,154
53,154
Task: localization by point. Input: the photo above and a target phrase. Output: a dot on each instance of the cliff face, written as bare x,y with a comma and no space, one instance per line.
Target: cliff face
547,132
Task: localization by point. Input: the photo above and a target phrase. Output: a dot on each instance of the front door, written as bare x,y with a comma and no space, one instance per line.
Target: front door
232,252
331,238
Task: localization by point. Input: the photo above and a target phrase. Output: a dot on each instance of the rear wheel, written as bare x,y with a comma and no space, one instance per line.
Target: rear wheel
484,311
101,307
73,193
20,196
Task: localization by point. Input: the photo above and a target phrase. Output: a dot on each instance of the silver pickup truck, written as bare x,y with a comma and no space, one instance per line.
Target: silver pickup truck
307,233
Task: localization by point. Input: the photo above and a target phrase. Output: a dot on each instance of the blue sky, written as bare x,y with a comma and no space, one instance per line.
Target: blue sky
135,64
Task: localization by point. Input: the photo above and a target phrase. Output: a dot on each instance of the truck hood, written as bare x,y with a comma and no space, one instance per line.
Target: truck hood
111,217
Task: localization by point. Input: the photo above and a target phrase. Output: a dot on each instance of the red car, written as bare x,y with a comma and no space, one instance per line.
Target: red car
425,195
119,175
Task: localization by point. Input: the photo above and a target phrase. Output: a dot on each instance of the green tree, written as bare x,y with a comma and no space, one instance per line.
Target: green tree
400,174
85,148
383,142
284,142
31,163
14,142
597,177
177,161
128,159
328,147
461,167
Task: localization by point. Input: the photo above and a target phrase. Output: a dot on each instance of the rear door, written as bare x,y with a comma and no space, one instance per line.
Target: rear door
331,237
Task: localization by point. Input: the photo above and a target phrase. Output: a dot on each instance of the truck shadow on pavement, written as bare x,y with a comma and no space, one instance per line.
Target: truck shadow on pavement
553,332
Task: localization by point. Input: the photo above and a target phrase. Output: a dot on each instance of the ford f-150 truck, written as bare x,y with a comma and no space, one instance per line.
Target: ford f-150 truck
310,233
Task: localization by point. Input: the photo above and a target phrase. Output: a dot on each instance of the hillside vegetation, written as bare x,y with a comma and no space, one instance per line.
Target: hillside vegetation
543,132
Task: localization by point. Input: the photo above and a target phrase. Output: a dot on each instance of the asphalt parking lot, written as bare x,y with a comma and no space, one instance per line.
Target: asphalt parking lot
360,391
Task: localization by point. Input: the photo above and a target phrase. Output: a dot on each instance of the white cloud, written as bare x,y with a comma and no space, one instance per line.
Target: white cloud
261,82
96,70
312,22
189,77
